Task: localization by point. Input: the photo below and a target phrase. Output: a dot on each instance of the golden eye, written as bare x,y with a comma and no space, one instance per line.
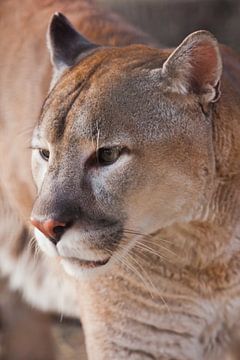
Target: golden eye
107,156
45,154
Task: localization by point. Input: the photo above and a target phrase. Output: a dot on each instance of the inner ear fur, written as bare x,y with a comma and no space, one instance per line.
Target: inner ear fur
195,66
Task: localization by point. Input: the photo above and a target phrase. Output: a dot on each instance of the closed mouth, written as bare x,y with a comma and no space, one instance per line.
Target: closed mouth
88,264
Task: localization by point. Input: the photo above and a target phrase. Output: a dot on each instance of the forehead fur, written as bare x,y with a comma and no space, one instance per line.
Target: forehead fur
118,92
98,75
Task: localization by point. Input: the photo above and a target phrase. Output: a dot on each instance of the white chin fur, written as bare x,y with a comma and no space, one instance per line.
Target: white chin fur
74,243
78,272
74,270
45,245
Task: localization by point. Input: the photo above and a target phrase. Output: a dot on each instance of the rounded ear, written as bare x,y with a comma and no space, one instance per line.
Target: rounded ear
195,67
65,43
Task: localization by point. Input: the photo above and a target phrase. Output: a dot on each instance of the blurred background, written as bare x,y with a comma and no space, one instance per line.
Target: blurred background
24,332
169,21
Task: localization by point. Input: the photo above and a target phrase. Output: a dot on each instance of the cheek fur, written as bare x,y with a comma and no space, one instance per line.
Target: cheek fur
39,169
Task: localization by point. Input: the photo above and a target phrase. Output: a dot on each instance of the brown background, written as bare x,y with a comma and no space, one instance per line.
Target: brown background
169,21
24,333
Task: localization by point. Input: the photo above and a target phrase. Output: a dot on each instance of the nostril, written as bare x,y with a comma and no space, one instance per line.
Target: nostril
61,227
53,229
59,230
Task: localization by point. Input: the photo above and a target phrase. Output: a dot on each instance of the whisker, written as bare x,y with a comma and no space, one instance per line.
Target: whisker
33,246
141,268
159,246
151,251
146,236
144,272
151,283
153,286
98,139
131,267
134,232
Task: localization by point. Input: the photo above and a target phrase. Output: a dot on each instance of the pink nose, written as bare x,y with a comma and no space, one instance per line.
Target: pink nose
52,229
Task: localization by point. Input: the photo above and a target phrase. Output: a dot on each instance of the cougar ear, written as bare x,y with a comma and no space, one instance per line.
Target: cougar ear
195,67
65,43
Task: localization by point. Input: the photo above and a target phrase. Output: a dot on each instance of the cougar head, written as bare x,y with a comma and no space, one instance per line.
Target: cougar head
123,144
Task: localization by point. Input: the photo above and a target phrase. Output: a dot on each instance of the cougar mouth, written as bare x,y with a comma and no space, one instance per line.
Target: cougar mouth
88,264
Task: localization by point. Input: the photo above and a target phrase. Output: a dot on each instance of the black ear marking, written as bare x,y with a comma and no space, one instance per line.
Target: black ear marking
65,43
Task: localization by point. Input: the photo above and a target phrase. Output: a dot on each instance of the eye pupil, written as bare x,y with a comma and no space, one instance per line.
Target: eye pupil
107,156
45,154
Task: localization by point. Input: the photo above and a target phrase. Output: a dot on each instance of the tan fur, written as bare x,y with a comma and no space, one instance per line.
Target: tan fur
23,39
171,288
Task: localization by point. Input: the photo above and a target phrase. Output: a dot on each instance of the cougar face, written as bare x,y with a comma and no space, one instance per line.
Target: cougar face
118,150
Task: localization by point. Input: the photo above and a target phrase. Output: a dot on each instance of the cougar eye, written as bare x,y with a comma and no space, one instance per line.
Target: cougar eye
44,154
107,156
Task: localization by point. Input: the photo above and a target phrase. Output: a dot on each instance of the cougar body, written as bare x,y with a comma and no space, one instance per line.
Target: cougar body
136,163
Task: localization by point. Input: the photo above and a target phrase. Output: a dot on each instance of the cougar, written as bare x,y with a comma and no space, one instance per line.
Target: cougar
136,162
